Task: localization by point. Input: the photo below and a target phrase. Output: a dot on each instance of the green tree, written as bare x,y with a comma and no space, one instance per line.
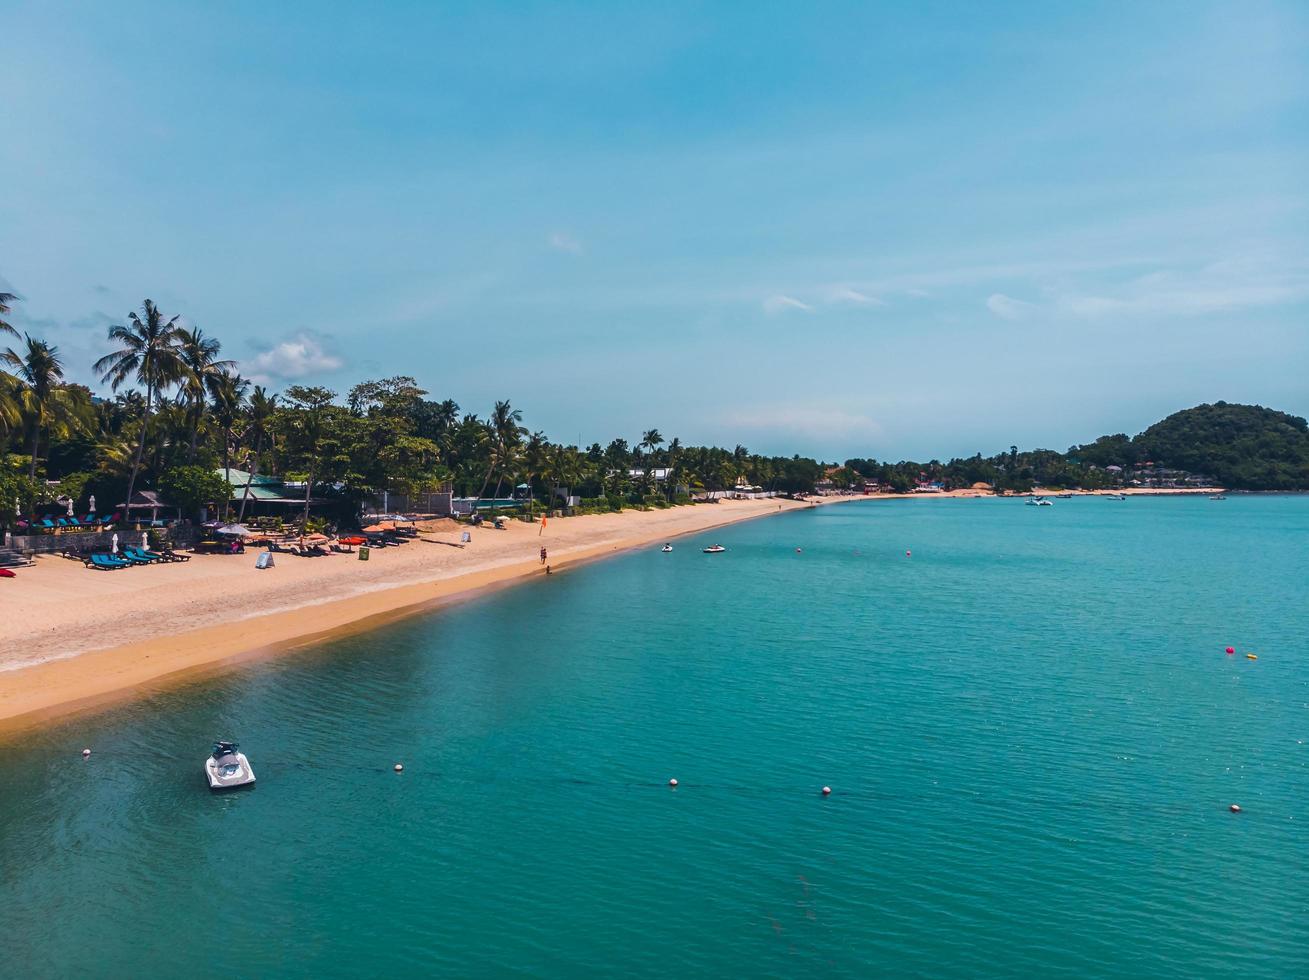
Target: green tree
192,487
147,353
42,399
201,371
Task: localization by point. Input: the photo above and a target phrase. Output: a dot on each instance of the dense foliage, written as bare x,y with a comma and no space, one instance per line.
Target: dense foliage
179,412
1241,446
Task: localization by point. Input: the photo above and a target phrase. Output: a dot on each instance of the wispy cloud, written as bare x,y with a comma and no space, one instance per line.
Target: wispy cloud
780,303
563,242
1223,286
1007,307
299,356
846,294
807,421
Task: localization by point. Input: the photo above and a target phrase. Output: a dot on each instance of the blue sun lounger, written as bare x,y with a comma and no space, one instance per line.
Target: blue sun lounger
106,563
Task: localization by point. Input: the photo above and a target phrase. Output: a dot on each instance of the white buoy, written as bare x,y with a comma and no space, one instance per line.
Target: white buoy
399,768
86,753
1234,808
672,783
827,791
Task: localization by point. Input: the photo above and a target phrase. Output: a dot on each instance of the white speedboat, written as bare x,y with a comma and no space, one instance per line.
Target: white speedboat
1039,502
1218,496
666,548
226,768
1114,496
714,549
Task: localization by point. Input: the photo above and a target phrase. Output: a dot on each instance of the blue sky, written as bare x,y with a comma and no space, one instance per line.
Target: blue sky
839,229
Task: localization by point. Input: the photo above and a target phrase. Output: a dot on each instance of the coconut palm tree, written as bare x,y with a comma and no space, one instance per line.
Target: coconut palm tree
6,306
506,431
202,370
227,392
307,419
148,355
43,399
262,408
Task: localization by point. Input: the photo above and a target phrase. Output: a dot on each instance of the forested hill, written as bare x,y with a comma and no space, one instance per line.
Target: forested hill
1242,446
1245,447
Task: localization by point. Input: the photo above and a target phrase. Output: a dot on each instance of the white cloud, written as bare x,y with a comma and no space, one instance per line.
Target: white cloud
563,242
1007,307
810,422
1219,287
845,294
296,357
780,304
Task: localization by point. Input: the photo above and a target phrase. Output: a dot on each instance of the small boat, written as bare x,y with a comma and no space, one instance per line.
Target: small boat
1064,496
666,548
1039,502
1114,496
226,768
1218,496
714,549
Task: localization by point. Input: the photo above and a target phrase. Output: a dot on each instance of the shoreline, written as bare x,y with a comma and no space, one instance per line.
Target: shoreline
91,678
63,674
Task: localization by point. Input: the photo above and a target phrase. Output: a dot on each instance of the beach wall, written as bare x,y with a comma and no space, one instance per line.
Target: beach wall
56,542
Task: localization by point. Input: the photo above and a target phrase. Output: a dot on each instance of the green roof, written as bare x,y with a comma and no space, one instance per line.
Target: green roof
262,487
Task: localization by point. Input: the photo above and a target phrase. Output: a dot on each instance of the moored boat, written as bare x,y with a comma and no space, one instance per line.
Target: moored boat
714,549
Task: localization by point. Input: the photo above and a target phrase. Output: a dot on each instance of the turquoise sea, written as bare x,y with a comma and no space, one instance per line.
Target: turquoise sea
1030,728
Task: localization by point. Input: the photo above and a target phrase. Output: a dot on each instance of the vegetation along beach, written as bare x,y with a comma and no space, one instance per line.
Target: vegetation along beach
666,490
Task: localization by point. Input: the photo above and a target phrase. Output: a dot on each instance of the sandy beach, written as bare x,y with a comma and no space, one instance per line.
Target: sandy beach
74,639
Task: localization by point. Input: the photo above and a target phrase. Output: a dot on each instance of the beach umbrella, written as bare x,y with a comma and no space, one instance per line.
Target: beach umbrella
316,538
239,530
92,503
113,545
145,541
70,506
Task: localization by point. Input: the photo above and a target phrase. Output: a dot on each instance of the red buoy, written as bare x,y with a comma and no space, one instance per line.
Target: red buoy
1231,649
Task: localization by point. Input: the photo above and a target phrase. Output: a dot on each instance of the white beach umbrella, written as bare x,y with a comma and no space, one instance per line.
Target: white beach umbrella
70,506
145,541
92,503
113,545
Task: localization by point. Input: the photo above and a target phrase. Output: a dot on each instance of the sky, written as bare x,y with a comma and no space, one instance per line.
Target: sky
906,230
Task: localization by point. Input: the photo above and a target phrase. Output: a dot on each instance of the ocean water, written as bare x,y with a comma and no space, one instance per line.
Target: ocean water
1030,728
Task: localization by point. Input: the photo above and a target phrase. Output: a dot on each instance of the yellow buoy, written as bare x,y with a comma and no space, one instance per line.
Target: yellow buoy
1251,656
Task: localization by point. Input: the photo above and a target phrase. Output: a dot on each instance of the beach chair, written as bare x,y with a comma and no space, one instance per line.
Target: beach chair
141,555
106,563
171,555
131,559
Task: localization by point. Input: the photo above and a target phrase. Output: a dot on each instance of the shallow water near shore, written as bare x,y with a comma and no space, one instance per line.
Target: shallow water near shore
1030,728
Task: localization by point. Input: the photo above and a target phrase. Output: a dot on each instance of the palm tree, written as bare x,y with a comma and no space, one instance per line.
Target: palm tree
506,431
534,461
227,391
42,398
650,439
262,408
6,306
148,354
202,370
307,418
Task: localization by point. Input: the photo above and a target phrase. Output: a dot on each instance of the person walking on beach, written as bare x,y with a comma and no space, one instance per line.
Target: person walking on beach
542,554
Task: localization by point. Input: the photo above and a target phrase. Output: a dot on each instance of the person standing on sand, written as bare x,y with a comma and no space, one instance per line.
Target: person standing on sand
542,554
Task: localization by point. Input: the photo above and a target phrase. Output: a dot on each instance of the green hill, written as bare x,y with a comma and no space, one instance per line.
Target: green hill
1245,447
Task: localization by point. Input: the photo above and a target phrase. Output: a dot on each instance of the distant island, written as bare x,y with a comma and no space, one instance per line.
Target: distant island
183,430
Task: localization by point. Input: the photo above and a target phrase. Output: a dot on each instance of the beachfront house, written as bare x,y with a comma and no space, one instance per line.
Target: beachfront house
267,496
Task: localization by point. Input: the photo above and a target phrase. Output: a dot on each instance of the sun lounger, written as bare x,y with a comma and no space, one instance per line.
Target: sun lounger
106,563
138,554
171,555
